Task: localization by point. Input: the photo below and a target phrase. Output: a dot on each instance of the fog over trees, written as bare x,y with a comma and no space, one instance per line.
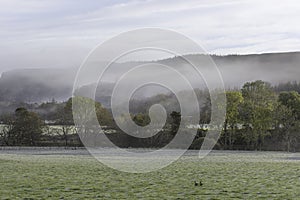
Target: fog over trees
36,108
40,85
259,117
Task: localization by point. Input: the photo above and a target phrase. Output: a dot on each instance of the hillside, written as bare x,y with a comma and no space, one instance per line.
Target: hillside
37,85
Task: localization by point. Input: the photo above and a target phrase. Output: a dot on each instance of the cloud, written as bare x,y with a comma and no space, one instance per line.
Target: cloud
62,32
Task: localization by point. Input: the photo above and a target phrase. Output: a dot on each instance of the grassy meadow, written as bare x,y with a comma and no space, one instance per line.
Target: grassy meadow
225,175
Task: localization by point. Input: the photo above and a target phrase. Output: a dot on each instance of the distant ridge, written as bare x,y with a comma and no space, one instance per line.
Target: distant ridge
36,85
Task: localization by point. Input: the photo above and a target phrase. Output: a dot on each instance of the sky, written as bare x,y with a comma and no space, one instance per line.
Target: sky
61,33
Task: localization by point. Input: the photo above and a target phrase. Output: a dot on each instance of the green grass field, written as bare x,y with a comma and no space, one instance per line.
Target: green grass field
224,176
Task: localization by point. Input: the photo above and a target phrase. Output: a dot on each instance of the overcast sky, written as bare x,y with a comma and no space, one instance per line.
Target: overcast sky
60,33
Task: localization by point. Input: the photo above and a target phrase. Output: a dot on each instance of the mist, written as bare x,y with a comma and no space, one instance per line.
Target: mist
37,85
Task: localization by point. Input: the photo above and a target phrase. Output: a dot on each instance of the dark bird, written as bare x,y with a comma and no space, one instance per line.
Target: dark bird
198,183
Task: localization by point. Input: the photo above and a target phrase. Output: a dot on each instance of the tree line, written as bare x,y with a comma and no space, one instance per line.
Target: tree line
258,117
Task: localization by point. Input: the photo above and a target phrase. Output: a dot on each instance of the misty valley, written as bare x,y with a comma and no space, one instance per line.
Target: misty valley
261,115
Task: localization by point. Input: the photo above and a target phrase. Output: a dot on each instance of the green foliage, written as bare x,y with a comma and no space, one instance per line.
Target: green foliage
26,128
292,101
86,106
286,118
141,119
234,103
257,111
256,118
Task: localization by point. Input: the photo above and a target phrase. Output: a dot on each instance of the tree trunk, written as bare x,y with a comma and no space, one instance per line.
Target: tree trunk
225,135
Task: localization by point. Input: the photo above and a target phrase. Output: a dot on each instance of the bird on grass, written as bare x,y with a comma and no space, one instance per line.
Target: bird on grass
198,183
